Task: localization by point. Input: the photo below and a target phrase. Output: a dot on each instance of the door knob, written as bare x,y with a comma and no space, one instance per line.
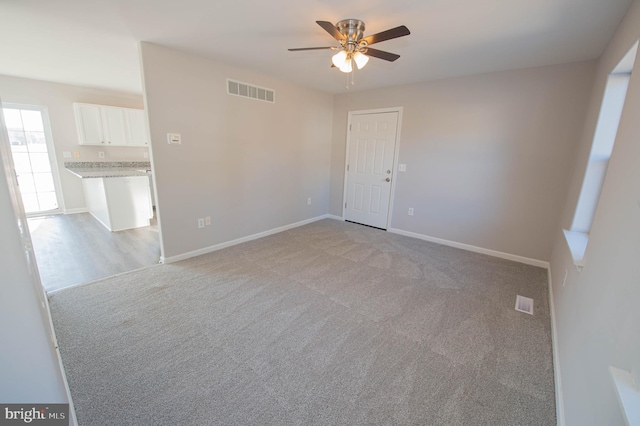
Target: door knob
388,172
388,179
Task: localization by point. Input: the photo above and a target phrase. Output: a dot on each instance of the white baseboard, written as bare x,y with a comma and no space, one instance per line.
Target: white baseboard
75,211
556,357
494,253
226,244
333,216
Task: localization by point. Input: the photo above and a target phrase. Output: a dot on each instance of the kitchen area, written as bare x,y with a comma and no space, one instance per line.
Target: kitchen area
112,227
118,194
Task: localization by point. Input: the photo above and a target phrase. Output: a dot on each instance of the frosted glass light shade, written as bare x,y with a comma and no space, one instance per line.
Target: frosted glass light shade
339,59
361,59
347,67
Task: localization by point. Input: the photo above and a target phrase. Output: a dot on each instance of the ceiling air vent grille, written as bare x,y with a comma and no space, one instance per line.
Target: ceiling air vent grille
524,304
246,90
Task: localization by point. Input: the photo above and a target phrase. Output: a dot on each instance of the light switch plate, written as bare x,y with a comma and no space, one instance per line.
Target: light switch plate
174,138
66,154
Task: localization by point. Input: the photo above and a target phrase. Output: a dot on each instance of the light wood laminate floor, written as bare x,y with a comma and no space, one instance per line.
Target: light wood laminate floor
77,249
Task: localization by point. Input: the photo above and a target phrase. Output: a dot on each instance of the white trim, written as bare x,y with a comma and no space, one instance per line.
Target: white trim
56,348
102,279
577,243
494,253
628,395
394,175
556,356
334,217
241,240
76,211
19,216
396,153
43,213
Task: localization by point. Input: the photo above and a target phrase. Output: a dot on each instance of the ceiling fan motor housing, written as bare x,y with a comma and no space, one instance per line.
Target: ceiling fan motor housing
352,30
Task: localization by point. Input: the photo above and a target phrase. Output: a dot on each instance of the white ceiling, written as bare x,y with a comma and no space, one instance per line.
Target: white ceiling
94,42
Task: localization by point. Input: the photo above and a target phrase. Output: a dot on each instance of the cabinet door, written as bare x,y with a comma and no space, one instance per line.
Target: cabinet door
114,126
89,123
138,134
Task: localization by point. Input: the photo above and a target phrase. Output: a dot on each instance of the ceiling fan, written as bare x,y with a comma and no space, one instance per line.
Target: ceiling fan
354,47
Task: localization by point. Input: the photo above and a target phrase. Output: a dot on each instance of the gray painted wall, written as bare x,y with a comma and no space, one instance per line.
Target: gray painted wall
596,310
249,165
59,99
489,157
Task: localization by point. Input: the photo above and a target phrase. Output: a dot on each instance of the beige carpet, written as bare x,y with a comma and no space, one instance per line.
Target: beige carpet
330,324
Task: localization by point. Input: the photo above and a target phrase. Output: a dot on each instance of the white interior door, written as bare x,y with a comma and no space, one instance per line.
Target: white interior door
372,143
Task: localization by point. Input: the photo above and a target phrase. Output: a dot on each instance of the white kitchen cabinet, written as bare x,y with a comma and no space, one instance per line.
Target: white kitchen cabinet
113,125
119,203
89,123
110,126
137,133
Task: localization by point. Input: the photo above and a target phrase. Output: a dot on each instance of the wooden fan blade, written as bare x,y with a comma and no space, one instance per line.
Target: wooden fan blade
308,48
381,54
396,32
331,29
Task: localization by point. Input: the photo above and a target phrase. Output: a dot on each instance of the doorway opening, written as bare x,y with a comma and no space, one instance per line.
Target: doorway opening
70,249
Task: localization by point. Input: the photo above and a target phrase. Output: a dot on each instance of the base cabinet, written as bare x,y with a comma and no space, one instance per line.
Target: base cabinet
119,203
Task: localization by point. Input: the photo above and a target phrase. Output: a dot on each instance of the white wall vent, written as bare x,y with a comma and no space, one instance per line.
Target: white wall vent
524,304
246,90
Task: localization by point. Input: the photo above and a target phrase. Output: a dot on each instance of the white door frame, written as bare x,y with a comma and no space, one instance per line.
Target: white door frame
26,247
395,157
51,151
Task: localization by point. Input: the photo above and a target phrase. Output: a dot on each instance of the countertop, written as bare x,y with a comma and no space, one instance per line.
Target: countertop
105,169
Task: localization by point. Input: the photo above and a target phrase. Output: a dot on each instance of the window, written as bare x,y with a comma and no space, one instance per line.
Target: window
603,140
32,157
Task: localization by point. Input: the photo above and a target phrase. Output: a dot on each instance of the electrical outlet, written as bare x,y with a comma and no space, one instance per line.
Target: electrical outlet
564,279
145,154
101,154
76,154
411,211
201,222
309,201
207,220
402,167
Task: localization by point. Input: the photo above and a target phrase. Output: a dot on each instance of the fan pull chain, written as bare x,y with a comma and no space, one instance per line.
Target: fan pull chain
353,71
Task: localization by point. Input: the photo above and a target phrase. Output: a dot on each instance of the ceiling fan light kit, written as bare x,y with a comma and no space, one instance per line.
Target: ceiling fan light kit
340,58
360,59
354,47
